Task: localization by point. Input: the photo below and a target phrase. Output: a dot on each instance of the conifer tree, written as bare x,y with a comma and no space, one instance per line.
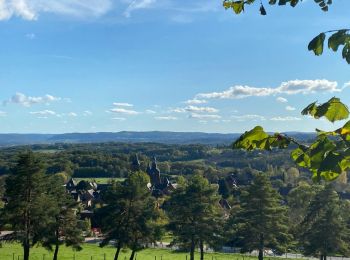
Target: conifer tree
29,209
66,228
324,230
262,221
195,216
130,214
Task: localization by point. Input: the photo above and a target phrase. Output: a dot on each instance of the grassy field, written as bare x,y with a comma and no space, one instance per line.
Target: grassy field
93,252
100,180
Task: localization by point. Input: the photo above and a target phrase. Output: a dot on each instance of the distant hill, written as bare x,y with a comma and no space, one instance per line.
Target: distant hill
131,137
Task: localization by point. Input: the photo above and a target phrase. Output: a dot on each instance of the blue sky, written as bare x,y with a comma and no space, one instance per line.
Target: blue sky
175,65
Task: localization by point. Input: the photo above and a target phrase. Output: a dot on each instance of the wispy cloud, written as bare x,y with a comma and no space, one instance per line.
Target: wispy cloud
290,88
44,113
201,109
195,101
72,114
149,111
281,100
204,116
123,111
290,108
165,118
87,113
138,4
249,117
285,118
31,36
119,118
31,9
120,104
2,114
27,101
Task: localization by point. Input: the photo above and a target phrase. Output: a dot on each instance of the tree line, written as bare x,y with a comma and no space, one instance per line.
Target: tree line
312,219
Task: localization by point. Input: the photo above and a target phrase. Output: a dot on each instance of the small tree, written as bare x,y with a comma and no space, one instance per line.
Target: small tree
261,222
130,214
66,227
195,216
324,230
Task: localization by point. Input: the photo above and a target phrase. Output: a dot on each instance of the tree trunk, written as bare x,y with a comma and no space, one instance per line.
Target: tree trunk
118,251
261,247
55,255
26,251
132,255
192,249
201,246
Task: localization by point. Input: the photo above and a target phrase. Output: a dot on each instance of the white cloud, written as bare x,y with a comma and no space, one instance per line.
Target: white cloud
204,116
165,118
138,4
27,101
123,111
149,111
286,118
44,113
31,9
249,117
290,108
2,114
282,100
201,109
72,114
87,113
122,104
290,88
195,101
31,36
178,110
119,118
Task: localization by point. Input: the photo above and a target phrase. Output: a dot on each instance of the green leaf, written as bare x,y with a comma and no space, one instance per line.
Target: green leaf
318,150
238,6
227,4
310,109
253,139
337,39
316,44
300,157
346,52
333,110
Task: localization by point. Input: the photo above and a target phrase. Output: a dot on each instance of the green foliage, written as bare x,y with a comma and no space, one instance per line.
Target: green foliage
261,221
195,216
130,214
336,39
324,230
326,157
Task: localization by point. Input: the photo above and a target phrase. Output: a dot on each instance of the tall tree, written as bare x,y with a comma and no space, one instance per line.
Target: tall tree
29,209
261,222
324,230
66,228
195,216
130,214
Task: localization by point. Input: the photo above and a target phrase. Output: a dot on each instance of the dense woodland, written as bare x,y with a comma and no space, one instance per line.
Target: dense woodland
222,197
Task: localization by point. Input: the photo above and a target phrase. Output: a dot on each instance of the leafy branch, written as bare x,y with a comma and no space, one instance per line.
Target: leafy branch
327,157
336,39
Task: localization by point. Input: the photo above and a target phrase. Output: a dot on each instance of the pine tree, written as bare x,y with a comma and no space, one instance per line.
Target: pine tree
262,221
130,214
29,209
195,216
66,228
324,230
